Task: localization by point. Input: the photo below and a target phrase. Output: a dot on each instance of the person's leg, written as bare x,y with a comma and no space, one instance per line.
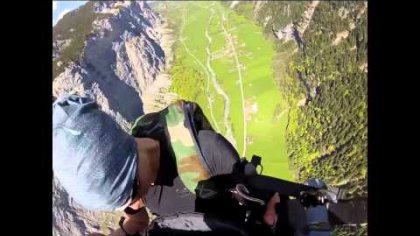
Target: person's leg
218,152
221,157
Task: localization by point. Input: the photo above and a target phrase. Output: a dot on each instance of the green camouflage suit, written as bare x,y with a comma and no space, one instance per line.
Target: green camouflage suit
181,121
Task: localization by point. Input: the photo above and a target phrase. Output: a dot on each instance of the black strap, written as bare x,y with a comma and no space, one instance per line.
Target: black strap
121,223
129,211
257,182
283,187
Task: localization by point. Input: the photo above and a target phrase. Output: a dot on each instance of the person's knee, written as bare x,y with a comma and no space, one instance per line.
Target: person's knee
207,136
211,141
218,151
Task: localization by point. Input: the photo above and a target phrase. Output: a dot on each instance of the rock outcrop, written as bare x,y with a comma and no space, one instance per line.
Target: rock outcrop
123,65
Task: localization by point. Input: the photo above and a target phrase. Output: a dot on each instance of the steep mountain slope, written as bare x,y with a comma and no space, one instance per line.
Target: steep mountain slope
111,49
325,80
118,52
321,66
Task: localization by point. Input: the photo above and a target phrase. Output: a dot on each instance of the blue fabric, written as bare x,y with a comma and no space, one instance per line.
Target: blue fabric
93,157
319,213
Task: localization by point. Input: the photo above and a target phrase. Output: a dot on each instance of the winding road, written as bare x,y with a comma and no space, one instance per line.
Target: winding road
204,68
240,79
229,134
211,75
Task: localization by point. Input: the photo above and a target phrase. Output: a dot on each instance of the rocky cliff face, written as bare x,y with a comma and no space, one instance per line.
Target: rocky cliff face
120,59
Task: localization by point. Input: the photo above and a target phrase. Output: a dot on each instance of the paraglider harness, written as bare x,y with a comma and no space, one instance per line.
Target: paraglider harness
316,206
234,204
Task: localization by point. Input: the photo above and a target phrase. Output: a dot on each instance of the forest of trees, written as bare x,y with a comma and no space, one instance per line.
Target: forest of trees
329,138
188,83
327,135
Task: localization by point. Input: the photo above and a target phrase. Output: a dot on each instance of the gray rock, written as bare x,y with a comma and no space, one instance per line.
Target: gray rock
124,59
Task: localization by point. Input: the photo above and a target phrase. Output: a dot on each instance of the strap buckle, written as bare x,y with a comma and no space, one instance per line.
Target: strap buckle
240,192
